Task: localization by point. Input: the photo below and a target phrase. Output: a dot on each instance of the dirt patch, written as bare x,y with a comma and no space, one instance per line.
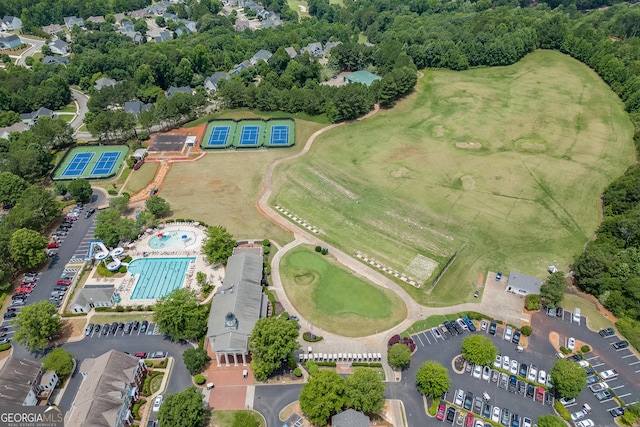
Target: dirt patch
473,145
468,183
5,354
554,339
404,152
71,329
480,279
400,173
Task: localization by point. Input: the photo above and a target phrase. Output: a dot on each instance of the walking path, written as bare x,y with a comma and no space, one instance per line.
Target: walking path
144,194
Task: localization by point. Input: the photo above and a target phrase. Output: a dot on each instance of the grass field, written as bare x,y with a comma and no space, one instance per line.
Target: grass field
595,319
225,418
505,165
325,294
128,317
222,188
142,177
303,12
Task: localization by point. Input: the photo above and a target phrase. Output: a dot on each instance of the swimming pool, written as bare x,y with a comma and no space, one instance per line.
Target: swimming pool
173,239
158,276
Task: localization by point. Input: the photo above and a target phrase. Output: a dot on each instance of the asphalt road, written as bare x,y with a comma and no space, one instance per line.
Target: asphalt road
36,45
81,99
269,400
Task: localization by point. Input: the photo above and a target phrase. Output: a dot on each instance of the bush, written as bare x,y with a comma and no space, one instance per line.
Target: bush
526,330
266,250
309,337
148,363
433,408
318,249
266,242
564,350
112,192
562,411
532,302
122,269
136,408
297,372
199,379
127,259
585,349
4,347
119,308
324,251
330,364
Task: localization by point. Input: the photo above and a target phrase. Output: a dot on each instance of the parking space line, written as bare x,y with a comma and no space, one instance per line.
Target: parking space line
609,400
624,395
628,355
634,363
421,343
594,357
615,388
638,371
426,337
596,365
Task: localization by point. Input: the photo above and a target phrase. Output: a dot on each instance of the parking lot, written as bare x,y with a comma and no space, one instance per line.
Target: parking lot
99,333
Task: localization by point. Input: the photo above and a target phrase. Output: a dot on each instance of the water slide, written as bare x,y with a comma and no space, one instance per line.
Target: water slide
115,261
102,252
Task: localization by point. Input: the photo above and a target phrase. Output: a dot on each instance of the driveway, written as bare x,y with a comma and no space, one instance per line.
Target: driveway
269,400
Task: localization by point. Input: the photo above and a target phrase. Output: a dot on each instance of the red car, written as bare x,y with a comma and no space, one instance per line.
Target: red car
540,394
442,408
21,291
141,354
53,245
63,282
468,420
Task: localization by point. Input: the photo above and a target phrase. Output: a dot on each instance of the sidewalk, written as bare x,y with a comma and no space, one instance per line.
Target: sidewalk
144,416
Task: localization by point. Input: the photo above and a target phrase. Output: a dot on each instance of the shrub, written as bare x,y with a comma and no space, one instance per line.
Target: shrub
308,336
148,363
297,372
526,330
122,269
585,349
266,250
564,350
562,411
266,242
112,192
318,249
119,308
532,302
330,364
126,259
434,407
199,379
4,347
136,408
324,251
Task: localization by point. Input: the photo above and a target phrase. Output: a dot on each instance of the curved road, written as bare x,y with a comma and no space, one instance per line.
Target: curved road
81,104
36,45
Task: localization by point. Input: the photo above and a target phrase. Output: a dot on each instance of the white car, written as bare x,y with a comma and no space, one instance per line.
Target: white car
462,324
483,325
486,373
542,377
526,422
505,363
157,403
495,415
577,415
533,373
498,362
609,374
459,398
583,363
508,333
514,367
585,423
571,344
477,371
564,401
478,423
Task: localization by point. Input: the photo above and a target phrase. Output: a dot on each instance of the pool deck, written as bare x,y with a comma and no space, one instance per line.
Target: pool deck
125,285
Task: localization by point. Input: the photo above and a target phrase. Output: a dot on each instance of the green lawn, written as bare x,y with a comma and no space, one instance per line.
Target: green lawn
334,299
142,177
124,317
595,320
69,108
295,6
156,382
225,418
504,165
66,117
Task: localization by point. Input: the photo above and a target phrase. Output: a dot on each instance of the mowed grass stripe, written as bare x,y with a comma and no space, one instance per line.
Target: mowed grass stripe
506,165
334,299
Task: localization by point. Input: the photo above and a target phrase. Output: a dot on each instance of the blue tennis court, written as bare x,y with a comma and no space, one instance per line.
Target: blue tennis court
105,163
77,165
249,135
219,135
279,135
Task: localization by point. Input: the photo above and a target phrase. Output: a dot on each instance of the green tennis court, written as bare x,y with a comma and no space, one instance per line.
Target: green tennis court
250,133
91,162
219,134
280,133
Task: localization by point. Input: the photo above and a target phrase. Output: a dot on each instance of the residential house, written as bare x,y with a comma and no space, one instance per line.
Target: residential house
314,49
182,89
96,19
59,47
104,82
241,66
16,127
291,51
521,284
262,54
91,296
23,382
170,17
350,418
136,107
135,36
111,383
137,14
162,36
52,29
127,26
236,308
191,26
9,42
157,8
11,23
53,60
31,118
273,20
330,45
211,82
72,21
241,24
119,17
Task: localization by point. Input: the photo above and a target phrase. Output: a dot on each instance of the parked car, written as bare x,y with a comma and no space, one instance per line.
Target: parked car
607,332
88,329
477,371
503,381
515,420
526,422
506,363
60,288
143,326
105,329
451,414
492,327
468,420
585,423
113,328
542,377
559,312
63,282
595,388
127,327
619,345
494,376
53,245
513,383
468,401
551,312
158,355
604,395
469,324
8,315
533,373
442,408
571,344
514,367
498,361
616,412
495,415
498,276
505,417
140,354
591,379
523,370
516,337
508,333
462,324
486,411
154,191
157,403
483,326
486,373
548,398
608,374
539,394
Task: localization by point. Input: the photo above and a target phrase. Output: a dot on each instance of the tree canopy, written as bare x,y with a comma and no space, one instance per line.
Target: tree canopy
322,397
195,359
183,409
432,379
180,316
111,227
553,288
399,356
158,206
80,190
568,378
550,420
11,188
28,248
479,350
58,360
219,244
364,391
35,323
272,341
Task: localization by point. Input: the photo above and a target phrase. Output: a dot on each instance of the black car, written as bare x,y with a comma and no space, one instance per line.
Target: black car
516,337
143,326
154,191
486,411
559,312
619,345
90,212
513,383
127,327
105,329
60,288
468,401
18,297
120,325
96,328
113,328
523,370
616,412
607,332
451,414
548,398
589,370
456,327
492,327
9,315
4,329
531,390
135,325
522,387
449,327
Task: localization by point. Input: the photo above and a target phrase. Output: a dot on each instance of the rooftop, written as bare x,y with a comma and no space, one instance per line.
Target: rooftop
520,281
16,377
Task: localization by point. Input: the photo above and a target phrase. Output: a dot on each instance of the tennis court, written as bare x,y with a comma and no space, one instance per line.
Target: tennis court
280,133
250,134
77,165
91,162
219,134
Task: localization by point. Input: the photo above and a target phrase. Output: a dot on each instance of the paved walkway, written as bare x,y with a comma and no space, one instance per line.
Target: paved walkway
145,193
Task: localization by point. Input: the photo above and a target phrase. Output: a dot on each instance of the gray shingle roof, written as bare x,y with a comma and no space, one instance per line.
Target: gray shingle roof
350,418
238,305
94,294
520,283
15,377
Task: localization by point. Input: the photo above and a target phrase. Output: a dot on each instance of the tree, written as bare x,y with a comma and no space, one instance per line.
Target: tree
28,248
35,209
195,359
158,206
322,397
11,188
399,356
553,289
479,350
218,245
183,409
550,421
80,190
364,391
111,227
272,341
35,324
58,360
432,379
244,419
568,378
180,316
